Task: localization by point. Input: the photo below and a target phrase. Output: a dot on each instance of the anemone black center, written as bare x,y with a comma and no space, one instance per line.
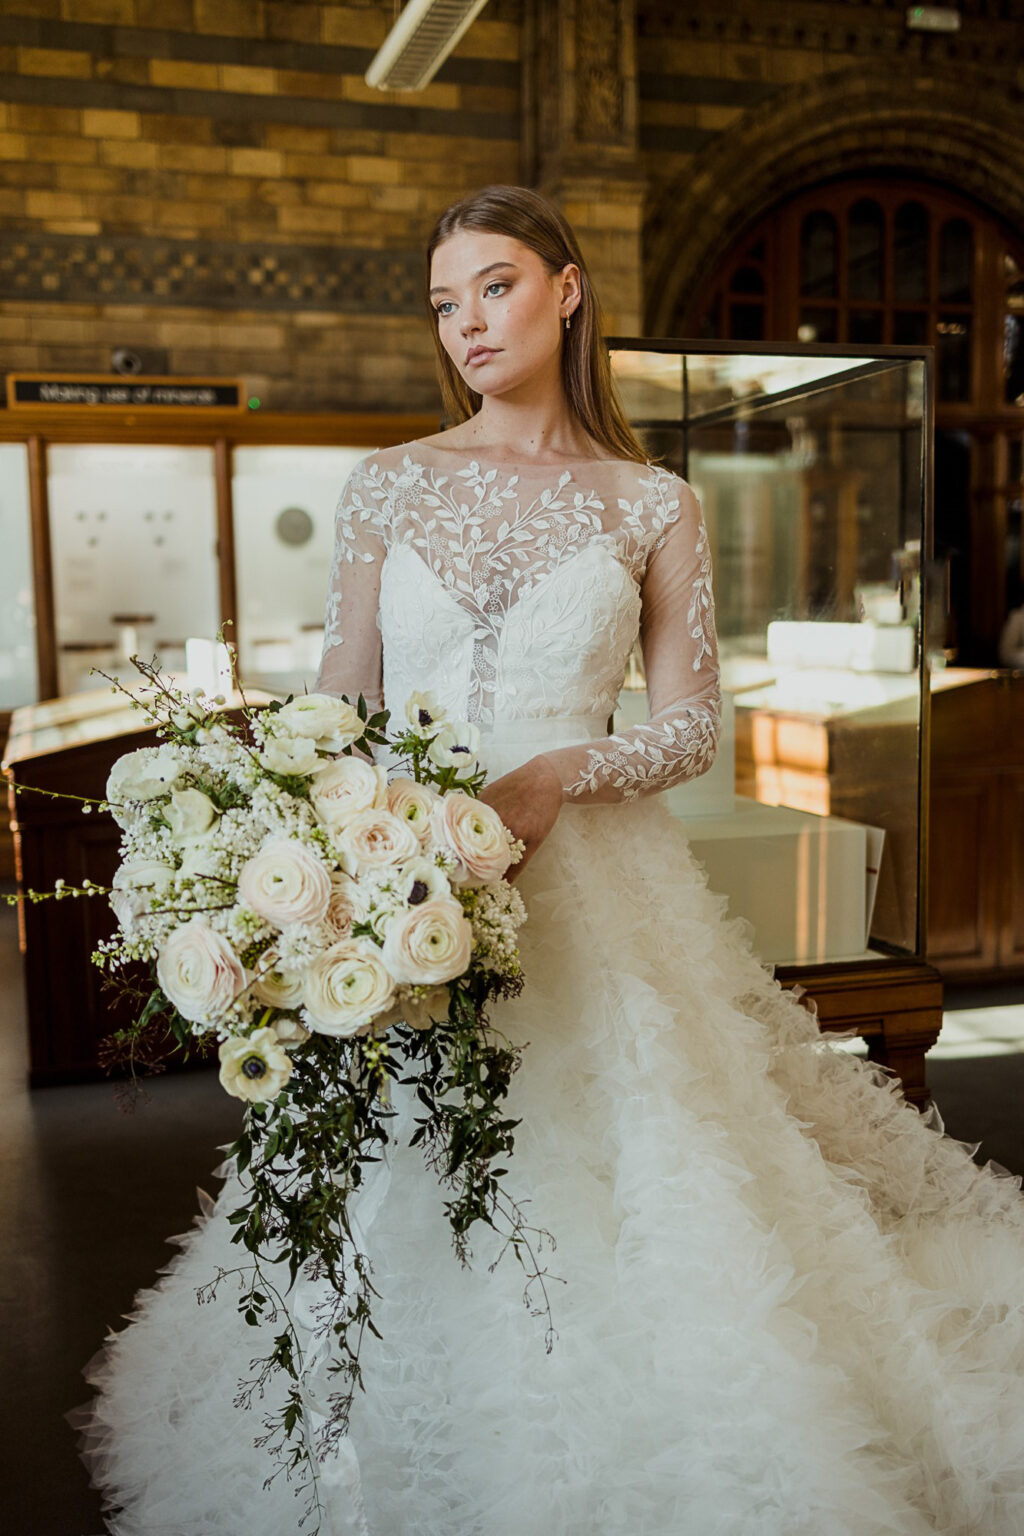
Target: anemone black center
254,1066
417,893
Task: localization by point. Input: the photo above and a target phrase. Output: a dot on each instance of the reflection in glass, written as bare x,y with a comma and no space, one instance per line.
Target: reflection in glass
18,679
133,531
284,500
910,254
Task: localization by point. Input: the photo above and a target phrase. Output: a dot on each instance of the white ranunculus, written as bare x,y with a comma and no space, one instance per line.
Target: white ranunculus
199,971
346,905
290,754
421,880
424,714
274,987
418,1012
190,813
136,881
456,746
474,832
285,883
290,1031
430,943
351,784
143,775
255,1068
346,987
330,722
371,839
413,803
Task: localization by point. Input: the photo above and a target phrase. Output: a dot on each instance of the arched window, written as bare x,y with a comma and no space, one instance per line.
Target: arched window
872,263
889,262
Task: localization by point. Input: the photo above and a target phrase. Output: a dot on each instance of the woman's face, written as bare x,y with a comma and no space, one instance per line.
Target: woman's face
499,310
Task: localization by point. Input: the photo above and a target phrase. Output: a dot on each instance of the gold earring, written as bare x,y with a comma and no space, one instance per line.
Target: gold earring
567,322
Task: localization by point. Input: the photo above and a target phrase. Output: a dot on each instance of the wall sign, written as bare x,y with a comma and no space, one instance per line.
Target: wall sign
94,391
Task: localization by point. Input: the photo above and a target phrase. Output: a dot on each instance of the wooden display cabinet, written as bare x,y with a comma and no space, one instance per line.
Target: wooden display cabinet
976,881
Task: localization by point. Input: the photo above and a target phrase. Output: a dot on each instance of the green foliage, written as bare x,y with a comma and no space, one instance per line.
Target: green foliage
302,1157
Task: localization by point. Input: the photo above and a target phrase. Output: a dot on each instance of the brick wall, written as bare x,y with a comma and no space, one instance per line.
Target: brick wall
211,183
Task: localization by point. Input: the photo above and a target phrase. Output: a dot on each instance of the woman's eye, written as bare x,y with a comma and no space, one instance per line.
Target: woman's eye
496,284
440,309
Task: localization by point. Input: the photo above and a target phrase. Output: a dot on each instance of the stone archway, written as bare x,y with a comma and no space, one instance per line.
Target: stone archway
955,128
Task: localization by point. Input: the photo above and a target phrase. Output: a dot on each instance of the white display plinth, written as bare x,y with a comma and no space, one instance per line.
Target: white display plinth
800,880
863,647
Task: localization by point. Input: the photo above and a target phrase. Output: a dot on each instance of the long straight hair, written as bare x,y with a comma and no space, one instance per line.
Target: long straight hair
586,370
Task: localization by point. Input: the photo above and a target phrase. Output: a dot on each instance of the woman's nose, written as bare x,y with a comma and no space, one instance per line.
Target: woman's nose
469,320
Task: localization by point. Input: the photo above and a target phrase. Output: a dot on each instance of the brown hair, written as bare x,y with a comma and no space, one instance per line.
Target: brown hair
586,370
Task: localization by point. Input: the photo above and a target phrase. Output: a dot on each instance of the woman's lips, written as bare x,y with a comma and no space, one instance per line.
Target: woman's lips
483,356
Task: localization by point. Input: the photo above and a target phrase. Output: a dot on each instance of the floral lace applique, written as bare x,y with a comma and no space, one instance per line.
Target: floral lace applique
491,538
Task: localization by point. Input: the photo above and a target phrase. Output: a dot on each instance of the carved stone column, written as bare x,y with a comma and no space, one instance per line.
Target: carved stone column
580,138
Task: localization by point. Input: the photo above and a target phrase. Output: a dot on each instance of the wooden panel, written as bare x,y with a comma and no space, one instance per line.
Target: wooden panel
965,722
1011,946
69,1008
962,901
353,429
6,835
42,571
226,569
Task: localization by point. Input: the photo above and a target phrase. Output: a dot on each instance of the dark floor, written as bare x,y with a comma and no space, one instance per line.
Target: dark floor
88,1196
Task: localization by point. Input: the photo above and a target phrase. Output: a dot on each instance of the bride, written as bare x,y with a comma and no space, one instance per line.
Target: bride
783,1303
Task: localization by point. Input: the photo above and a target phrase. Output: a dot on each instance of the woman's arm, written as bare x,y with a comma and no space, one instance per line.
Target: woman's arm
352,659
680,651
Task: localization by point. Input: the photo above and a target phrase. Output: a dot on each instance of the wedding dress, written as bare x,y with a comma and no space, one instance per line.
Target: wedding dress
784,1303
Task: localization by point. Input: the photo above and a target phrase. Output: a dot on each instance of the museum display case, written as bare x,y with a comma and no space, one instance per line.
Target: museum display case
812,465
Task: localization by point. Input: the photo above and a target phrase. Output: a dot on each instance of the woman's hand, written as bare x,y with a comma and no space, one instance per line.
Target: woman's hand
528,801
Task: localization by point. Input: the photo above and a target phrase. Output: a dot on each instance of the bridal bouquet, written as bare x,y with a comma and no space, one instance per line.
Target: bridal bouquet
328,931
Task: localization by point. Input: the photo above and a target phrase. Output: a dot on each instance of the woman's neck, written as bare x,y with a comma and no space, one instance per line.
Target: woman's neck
515,436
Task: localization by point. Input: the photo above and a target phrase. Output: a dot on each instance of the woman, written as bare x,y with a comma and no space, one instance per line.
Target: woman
783,1303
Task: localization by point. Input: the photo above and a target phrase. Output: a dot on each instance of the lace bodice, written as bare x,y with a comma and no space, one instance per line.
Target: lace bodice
519,593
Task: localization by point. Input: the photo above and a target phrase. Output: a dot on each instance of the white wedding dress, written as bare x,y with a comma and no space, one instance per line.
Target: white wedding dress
785,1304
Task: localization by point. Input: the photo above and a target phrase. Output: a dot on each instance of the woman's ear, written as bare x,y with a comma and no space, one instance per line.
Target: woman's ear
570,285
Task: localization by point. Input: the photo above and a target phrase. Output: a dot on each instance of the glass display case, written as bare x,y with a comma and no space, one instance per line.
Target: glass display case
812,465
133,529
284,498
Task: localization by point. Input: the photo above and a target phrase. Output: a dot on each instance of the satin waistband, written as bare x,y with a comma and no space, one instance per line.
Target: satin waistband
543,729
507,744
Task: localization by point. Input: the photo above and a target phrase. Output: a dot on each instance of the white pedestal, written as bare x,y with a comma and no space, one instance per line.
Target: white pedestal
800,880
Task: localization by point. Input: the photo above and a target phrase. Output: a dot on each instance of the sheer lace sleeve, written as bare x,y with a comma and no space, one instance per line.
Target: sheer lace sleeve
680,651
352,657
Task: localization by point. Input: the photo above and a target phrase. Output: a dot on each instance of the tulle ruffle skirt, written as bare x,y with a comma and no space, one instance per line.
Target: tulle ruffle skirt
784,1303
